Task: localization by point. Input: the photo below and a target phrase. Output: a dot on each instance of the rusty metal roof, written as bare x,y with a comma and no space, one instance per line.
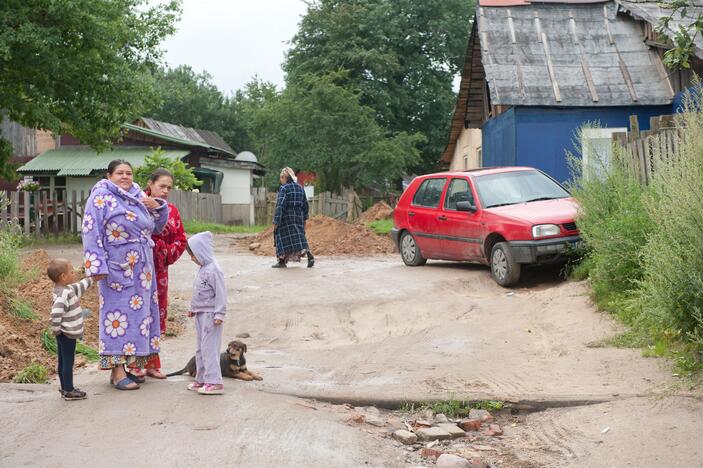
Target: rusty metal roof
180,132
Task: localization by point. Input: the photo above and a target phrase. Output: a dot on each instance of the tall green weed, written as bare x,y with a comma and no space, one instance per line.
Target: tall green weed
613,223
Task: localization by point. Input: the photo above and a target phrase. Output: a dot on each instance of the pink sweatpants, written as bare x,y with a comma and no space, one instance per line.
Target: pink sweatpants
207,354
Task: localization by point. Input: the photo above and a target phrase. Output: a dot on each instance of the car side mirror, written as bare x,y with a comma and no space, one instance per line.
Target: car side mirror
466,206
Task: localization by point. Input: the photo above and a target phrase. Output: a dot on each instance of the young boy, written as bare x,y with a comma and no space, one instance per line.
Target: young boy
208,306
67,320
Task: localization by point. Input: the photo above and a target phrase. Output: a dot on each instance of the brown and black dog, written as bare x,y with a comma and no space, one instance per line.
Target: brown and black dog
233,364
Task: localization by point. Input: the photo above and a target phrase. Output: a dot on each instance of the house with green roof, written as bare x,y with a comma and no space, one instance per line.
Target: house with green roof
72,166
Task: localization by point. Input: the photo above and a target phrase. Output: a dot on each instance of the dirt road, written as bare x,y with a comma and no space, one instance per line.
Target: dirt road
373,331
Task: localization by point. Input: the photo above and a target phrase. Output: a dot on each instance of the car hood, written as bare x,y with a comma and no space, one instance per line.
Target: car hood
540,212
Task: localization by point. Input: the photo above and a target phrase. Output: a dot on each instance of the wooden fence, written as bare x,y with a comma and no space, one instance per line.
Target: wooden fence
346,207
644,151
46,213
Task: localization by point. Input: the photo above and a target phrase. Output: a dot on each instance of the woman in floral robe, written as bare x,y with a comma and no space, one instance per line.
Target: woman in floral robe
118,223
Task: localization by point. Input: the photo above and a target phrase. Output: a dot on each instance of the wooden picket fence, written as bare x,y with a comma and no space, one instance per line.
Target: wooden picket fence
59,212
346,207
644,151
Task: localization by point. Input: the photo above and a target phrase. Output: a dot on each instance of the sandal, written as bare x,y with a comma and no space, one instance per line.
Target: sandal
155,374
74,394
195,386
124,384
135,378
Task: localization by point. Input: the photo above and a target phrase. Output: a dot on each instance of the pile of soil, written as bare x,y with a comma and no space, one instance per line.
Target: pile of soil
20,339
377,212
328,236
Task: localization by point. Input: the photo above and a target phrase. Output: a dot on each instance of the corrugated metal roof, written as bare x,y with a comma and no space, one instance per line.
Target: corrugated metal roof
81,161
652,12
182,133
568,55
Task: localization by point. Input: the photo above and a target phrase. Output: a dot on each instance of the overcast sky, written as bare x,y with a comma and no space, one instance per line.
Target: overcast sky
235,40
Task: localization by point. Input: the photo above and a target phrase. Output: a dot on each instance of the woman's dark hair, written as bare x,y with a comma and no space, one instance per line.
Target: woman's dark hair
159,173
115,163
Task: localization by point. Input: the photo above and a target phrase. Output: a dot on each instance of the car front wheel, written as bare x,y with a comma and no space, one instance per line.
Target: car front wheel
504,269
410,252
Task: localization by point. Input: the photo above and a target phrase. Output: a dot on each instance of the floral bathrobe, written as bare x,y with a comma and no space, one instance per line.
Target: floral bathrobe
169,246
117,230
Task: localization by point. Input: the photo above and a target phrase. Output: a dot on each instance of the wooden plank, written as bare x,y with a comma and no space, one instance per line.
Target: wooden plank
511,27
14,206
589,79
572,25
484,42
639,148
628,79
661,70
550,68
45,217
634,128
55,204
27,208
607,25
538,27
3,209
647,151
75,220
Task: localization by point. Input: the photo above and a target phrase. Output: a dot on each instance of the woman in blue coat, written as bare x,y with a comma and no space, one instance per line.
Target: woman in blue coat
289,221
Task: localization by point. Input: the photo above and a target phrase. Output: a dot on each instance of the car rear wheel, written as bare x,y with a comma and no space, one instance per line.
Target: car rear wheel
504,269
410,252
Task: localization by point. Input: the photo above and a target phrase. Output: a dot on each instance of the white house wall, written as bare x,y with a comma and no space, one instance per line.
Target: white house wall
236,185
80,183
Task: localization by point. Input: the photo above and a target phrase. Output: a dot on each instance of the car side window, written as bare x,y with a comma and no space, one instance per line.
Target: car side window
429,193
459,190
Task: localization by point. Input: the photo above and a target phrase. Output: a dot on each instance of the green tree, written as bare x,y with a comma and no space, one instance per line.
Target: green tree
79,66
690,27
323,127
402,55
183,176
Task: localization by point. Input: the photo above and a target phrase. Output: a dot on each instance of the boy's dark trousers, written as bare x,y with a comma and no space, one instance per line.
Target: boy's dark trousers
66,353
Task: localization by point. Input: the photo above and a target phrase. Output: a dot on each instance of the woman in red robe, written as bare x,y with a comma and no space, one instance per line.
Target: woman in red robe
168,247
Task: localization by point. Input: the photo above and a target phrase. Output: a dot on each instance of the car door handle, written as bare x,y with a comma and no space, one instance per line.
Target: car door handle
411,213
442,218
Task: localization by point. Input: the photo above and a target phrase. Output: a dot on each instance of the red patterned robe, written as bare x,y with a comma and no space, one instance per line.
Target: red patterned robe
169,245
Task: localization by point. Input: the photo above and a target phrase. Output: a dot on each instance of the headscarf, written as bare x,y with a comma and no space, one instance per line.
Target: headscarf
288,172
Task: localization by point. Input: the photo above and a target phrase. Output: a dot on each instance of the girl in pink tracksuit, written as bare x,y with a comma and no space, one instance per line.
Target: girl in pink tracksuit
208,306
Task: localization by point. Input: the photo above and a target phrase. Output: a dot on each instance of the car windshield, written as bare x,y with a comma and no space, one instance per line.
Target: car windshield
511,188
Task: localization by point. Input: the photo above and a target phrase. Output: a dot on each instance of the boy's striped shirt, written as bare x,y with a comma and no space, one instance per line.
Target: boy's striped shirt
66,312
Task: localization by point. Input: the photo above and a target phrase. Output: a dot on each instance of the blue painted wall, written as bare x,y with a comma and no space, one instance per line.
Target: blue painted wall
541,136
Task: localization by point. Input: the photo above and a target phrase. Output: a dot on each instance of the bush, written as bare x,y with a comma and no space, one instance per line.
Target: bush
183,176
22,309
10,243
35,373
614,225
671,290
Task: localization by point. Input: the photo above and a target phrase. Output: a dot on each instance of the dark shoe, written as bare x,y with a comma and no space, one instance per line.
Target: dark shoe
135,378
74,394
311,260
280,264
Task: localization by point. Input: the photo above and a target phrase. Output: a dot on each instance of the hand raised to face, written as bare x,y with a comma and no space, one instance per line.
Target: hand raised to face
150,203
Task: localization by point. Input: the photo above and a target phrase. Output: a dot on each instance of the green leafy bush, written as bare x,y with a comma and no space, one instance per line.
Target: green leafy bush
10,243
35,373
22,309
184,178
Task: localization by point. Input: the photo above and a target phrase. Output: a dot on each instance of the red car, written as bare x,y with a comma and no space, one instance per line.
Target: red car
502,217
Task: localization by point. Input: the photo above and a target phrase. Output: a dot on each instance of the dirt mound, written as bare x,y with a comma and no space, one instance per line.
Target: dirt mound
377,212
328,236
20,338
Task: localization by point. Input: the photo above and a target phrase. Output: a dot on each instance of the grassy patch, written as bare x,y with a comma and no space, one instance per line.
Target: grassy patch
194,226
30,242
454,408
382,227
49,343
22,309
35,373
10,242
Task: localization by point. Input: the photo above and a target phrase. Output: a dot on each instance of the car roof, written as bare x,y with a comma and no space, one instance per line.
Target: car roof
481,171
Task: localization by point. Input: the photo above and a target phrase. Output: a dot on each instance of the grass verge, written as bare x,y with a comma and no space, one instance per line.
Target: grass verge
194,226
